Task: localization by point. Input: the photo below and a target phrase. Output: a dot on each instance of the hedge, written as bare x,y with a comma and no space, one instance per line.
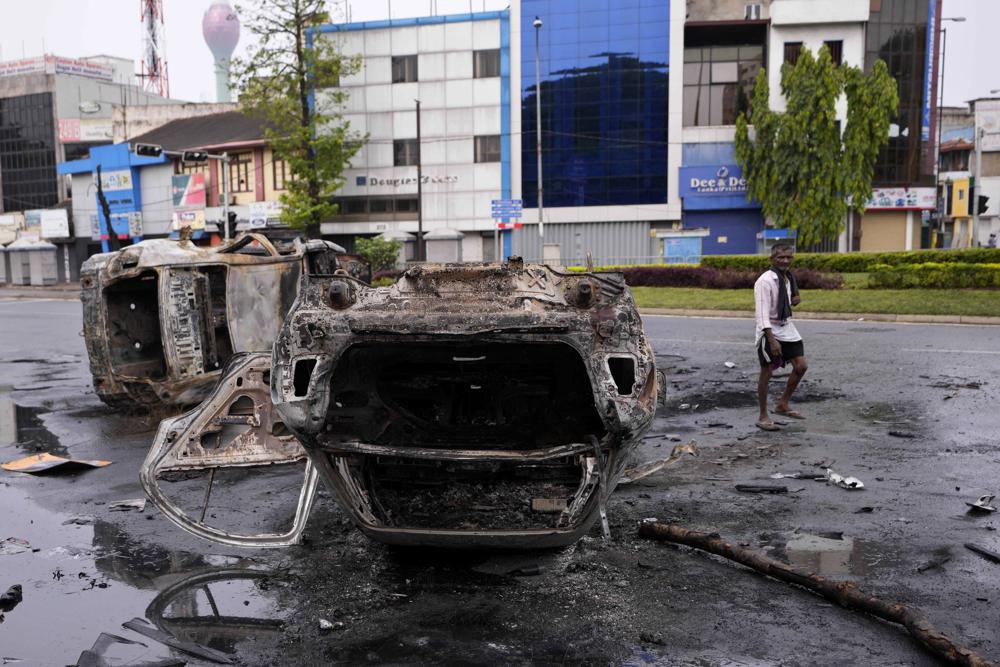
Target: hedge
856,262
935,274
705,276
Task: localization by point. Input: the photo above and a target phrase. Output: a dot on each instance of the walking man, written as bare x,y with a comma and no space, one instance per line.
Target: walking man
778,341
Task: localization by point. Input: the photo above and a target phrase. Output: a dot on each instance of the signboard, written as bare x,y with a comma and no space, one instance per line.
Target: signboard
112,181
988,120
258,215
929,71
195,219
426,179
131,221
506,208
56,65
902,199
10,223
53,224
188,190
710,187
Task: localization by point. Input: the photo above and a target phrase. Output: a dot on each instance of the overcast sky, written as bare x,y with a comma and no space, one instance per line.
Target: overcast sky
74,28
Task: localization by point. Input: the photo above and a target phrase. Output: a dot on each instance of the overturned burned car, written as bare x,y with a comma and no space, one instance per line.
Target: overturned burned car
161,317
489,405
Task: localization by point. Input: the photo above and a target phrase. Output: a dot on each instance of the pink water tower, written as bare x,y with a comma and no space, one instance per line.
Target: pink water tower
221,28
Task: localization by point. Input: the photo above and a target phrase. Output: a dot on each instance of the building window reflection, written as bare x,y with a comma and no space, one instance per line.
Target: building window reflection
719,82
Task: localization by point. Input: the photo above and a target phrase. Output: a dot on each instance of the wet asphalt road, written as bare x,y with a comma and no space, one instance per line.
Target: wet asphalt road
624,602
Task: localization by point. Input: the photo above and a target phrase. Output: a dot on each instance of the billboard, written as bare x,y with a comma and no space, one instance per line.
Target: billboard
56,65
988,120
902,199
112,181
188,190
195,219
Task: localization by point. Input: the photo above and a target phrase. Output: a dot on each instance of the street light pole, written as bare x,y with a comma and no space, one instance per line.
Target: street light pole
974,195
225,196
940,117
420,190
538,124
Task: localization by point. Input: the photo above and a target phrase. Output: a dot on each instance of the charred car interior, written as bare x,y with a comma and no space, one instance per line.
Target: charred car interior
490,405
162,318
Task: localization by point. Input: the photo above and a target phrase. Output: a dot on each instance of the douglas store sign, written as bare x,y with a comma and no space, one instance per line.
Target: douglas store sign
714,187
373,181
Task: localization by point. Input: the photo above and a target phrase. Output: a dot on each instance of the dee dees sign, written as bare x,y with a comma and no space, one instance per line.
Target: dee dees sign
723,182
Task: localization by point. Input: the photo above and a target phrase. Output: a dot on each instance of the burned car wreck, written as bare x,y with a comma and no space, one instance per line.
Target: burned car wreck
467,405
161,317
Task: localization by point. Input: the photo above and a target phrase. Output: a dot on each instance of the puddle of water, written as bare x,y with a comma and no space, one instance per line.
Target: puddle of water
90,578
22,426
826,555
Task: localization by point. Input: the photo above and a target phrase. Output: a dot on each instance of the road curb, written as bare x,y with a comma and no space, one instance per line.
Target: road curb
847,317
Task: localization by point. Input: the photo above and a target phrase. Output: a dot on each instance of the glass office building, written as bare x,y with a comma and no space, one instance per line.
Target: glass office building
604,71
27,152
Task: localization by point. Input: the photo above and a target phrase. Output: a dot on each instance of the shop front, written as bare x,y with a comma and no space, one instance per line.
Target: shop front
715,199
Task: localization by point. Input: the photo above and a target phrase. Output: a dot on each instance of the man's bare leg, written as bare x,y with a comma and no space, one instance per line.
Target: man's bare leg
763,383
799,368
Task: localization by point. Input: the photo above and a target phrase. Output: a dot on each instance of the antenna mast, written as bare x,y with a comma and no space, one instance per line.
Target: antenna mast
154,49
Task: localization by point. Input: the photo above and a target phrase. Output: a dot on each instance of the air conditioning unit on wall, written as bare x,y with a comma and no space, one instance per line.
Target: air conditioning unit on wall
752,12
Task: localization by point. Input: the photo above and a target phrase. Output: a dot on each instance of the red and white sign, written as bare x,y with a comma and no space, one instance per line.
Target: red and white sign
509,225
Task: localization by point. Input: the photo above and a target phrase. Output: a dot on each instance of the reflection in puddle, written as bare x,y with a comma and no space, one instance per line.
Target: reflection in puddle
23,427
822,554
218,608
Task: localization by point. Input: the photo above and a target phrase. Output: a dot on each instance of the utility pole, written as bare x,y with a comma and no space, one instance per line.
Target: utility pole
421,256
224,161
538,124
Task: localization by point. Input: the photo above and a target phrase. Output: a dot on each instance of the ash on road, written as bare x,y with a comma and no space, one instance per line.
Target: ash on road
624,602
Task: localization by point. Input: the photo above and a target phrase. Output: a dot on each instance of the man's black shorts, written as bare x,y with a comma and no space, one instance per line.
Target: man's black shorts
788,351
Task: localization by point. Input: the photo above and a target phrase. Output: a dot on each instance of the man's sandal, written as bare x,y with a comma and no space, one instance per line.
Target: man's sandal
767,425
794,414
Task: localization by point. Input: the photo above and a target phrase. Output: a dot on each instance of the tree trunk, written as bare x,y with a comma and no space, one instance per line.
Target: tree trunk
844,593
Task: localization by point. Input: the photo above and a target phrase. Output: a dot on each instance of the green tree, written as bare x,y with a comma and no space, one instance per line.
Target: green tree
275,82
378,251
798,165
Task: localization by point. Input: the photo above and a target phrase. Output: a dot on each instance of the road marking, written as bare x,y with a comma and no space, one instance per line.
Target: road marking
940,351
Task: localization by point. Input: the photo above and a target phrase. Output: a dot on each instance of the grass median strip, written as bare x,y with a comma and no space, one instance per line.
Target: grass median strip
978,302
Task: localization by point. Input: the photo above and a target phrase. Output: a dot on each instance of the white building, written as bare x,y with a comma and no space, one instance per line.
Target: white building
457,68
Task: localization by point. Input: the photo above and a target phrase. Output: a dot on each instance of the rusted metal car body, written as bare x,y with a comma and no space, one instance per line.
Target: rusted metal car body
467,406
160,318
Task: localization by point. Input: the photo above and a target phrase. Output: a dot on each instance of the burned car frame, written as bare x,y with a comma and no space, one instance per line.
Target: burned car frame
490,405
161,317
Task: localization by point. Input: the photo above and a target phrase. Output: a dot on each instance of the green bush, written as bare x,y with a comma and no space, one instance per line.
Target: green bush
857,262
949,275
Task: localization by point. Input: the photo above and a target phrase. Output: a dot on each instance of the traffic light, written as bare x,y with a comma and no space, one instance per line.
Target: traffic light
981,204
148,150
194,156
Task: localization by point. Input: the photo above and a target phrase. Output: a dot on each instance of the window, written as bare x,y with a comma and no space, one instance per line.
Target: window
408,205
404,69
239,172
486,63
719,83
792,51
191,167
278,173
488,148
836,48
405,152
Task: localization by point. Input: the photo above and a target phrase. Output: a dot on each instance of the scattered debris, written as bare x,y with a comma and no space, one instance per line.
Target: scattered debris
145,629
799,475
933,563
864,510
683,406
720,425
548,505
844,593
982,505
850,483
14,545
902,434
79,521
94,656
11,598
729,364
327,626
647,469
40,463
761,488
985,553
138,504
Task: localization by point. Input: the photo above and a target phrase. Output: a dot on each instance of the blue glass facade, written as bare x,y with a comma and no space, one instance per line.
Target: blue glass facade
604,72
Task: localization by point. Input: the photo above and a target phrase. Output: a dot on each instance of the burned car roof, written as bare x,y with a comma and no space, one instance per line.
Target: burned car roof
162,317
489,405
